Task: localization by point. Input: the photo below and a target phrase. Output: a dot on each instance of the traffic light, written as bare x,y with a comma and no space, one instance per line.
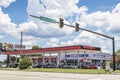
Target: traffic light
77,27
61,22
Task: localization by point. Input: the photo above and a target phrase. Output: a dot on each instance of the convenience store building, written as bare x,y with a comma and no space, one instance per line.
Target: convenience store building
77,55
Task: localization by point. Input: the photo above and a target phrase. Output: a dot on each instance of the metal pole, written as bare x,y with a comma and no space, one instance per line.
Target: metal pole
84,58
8,56
21,44
65,59
58,63
114,62
78,60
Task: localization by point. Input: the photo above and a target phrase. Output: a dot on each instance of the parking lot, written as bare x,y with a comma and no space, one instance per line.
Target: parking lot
23,75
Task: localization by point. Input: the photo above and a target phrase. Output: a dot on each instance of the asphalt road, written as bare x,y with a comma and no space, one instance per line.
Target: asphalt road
23,75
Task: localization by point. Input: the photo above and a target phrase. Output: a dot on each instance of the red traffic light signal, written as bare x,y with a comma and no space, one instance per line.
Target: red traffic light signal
77,27
61,22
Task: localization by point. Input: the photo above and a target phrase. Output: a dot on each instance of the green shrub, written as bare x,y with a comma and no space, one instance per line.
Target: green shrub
25,63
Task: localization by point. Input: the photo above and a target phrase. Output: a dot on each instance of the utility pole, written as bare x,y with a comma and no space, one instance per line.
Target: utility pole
21,44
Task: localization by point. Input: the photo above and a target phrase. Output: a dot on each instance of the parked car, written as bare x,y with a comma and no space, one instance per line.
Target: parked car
69,66
38,65
91,67
66,65
74,66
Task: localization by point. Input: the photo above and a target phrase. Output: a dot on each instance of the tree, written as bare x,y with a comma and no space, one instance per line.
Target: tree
118,57
35,47
25,63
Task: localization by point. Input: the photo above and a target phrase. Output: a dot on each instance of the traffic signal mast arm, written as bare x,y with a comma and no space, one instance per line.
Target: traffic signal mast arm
97,33
90,31
61,22
34,16
76,24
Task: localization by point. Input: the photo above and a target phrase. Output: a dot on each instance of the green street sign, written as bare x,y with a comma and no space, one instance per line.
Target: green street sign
47,19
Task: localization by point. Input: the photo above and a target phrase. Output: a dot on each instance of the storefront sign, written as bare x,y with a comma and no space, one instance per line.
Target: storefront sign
97,56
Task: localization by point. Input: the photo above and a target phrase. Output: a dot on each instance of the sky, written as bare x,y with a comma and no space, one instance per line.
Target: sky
102,16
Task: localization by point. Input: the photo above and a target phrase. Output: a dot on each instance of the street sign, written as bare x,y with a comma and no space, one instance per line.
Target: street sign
47,19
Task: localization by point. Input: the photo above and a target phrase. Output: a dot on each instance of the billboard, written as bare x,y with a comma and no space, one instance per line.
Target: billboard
10,47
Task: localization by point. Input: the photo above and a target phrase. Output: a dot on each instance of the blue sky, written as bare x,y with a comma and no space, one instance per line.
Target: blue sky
95,5
19,8
17,11
102,16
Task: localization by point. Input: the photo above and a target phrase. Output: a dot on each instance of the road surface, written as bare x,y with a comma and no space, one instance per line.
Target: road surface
23,75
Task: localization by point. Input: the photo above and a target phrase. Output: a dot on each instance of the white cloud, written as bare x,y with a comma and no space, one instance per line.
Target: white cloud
86,38
116,9
107,20
53,9
1,36
46,7
28,28
35,29
117,42
31,42
43,30
6,3
98,19
54,42
5,23
102,20
69,42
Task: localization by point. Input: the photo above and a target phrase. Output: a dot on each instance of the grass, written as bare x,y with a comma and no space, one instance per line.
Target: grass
117,71
12,69
83,71
58,70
